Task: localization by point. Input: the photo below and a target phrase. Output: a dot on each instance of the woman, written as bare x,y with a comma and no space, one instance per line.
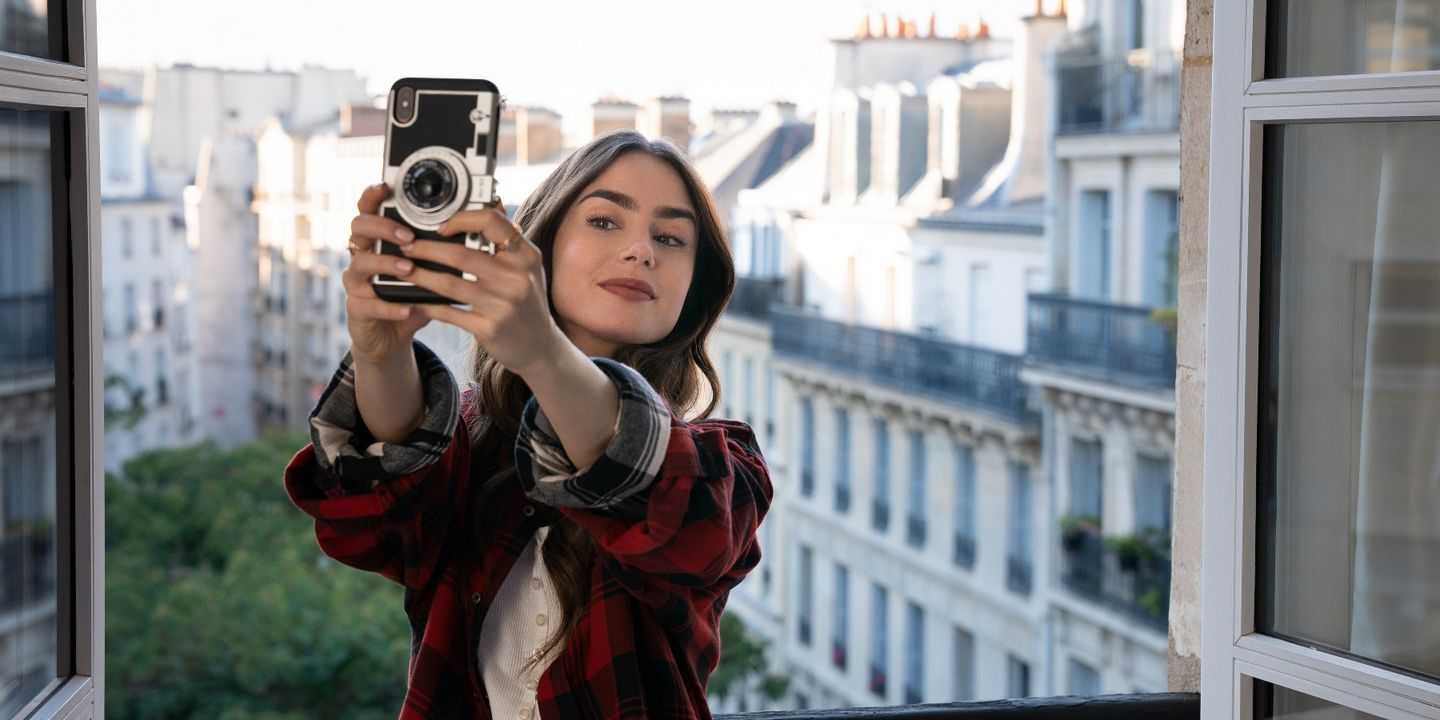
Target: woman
565,537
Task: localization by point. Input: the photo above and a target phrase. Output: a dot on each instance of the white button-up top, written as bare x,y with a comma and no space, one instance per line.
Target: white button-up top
526,611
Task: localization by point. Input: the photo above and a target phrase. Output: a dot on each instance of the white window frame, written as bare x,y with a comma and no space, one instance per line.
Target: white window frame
1233,655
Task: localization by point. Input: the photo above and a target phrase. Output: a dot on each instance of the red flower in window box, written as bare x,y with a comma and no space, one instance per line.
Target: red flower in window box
837,655
877,682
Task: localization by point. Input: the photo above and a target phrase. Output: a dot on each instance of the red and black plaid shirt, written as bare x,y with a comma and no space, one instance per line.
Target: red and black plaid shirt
674,533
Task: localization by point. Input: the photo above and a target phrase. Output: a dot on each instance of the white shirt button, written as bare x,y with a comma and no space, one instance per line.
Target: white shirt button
535,583
540,619
524,713
531,684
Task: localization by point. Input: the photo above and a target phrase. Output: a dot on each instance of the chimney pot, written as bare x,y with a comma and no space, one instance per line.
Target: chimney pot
884,25
1061,12
932,24
983,31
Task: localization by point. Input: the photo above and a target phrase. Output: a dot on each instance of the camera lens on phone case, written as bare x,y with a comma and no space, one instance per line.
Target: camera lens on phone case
429,184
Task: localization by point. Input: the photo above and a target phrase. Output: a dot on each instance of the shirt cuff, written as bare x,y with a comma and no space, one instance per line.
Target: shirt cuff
345,447
631,461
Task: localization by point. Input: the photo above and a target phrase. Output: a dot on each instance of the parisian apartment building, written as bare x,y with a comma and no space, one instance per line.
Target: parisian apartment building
970,433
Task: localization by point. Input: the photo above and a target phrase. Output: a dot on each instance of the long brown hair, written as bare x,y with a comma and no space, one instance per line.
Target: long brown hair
675,366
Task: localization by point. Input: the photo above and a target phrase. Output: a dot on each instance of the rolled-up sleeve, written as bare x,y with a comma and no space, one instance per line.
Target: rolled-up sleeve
344,446
381,506
629,465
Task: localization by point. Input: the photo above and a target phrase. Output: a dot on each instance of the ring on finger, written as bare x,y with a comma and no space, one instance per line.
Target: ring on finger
353,248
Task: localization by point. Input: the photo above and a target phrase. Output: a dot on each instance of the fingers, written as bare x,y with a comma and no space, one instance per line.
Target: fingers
362,308
365,229
490,222
365,265
371,198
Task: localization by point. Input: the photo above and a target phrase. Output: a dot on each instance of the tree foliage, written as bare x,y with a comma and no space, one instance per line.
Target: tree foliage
220,604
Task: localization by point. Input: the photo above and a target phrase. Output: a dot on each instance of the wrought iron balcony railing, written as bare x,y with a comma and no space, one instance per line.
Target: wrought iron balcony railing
1116,343
1160,706
1129,581
984,379
1018,575
27,330
964,551
1138,91
879,514
752,297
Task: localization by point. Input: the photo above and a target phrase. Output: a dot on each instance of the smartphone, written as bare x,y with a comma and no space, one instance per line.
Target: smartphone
440,143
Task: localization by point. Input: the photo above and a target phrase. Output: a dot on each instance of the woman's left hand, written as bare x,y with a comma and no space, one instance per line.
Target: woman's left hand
509,306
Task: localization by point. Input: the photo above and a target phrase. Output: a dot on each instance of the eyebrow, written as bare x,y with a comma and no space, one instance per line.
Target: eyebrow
628,203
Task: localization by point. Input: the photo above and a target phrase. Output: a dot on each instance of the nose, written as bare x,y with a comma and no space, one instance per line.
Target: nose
639,249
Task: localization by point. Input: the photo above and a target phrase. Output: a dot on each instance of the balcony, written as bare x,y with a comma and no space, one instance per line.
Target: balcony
752,297
1018,575
1159,706
983,379
27,337
964,551
1136,92
1128,577
915,530
1114,343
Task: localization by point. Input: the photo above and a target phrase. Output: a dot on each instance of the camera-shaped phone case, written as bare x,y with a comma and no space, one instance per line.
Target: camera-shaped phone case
440,141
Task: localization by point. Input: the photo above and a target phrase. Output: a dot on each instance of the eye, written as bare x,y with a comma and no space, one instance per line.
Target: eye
601,222
672,240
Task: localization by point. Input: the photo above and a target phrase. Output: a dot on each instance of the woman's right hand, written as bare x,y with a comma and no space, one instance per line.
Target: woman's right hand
378,328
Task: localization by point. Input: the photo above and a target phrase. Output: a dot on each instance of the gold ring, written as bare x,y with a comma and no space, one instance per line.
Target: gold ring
353,248
510,243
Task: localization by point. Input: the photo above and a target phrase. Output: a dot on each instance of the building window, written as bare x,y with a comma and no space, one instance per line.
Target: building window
770,390
132,310
914,654
915,514
842,459
965,509
750,391
879,643
807,447
1084,681
1019,565
981,313
1086,480
1160,263
880,504
1093,260
806,608
127,237
963,661
840,637
155,237
1153,503
1017,677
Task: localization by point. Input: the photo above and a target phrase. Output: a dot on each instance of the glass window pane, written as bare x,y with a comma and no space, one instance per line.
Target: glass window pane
27,411
1351,37
1273,702
1351,389
25,28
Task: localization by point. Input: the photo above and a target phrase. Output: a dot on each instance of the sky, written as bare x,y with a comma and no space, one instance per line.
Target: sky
561,54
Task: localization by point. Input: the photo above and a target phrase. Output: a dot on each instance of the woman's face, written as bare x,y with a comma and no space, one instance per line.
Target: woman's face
633,227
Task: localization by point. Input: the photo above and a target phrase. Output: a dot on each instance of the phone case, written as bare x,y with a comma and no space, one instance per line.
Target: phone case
439,159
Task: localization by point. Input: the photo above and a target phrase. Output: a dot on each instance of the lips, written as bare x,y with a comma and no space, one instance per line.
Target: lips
629,288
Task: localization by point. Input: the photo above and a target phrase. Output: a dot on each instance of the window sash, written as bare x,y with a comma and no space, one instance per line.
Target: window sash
1232,654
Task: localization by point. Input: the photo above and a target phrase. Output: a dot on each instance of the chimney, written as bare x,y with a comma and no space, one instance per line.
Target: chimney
864,28
982,31
932,25
611,113
667,117
1021,174
1039,8
1061,12
962,32
884,26
537,135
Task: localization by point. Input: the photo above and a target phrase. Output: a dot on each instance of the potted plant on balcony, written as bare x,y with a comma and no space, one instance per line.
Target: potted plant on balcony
1129,550
1074,528
877,682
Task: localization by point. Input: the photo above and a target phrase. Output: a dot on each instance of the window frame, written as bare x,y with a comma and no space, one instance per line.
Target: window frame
71,89
1243,104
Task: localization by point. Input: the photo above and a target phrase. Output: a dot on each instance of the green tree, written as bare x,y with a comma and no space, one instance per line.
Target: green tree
742,662
220,604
